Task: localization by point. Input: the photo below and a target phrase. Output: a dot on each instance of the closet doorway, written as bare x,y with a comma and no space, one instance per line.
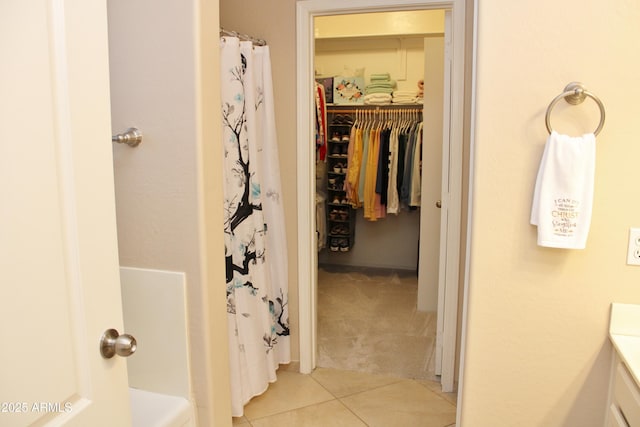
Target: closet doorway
452,165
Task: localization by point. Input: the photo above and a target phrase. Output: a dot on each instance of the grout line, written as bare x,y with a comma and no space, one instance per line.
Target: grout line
293,409
397,380
351,410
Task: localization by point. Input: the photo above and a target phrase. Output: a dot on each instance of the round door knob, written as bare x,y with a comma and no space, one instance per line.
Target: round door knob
132,137
439,204
113,343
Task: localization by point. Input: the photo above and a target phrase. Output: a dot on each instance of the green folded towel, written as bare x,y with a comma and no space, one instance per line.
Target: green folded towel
380,76
390,84
369,90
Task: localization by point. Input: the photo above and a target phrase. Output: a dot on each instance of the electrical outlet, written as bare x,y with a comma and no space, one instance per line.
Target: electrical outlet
633,253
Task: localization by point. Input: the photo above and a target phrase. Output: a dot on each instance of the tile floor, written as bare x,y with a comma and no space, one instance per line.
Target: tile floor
375,360
335,398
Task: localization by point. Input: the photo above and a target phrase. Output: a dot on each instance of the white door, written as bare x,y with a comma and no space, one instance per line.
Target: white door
58,252
432,146
446,325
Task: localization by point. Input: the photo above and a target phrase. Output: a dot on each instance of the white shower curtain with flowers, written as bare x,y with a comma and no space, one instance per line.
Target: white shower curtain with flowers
255,244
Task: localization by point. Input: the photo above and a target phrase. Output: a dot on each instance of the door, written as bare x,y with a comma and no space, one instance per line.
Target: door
447,317
58,249
433,140
307,247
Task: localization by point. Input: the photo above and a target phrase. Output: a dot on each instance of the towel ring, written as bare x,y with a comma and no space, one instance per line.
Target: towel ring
575,93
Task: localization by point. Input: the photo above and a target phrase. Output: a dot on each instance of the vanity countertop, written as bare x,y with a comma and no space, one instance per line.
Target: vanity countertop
624,332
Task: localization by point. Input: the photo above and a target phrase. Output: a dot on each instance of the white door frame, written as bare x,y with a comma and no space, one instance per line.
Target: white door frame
307,245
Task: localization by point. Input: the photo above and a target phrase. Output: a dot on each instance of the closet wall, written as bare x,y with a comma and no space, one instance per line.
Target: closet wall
391,242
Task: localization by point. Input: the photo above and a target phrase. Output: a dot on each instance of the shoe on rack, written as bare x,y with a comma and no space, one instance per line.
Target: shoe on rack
344,245
338,168
338,229
334,246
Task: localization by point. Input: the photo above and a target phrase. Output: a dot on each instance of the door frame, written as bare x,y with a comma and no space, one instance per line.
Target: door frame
306,11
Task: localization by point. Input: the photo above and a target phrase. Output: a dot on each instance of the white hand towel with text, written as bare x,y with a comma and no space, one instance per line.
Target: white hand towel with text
563,196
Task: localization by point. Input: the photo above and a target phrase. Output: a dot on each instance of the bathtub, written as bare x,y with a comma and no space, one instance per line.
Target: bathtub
155,312
150,409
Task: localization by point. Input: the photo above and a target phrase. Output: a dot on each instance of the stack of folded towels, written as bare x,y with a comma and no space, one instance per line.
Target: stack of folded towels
404,97
380,90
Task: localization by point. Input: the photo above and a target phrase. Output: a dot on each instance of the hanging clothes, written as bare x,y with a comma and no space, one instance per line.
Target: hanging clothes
256,271
371,169
388,177
321,122
416,170
354,163
393,202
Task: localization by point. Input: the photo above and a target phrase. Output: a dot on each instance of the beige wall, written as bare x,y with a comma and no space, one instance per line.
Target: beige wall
537,349
380,24
401,57
159,52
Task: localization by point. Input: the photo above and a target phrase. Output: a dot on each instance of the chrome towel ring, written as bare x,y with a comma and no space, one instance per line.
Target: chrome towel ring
575,93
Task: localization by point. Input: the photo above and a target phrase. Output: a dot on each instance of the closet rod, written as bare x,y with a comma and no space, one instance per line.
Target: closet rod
375,109
243,37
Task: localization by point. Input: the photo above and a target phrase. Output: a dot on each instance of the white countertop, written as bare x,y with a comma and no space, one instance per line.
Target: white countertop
624,332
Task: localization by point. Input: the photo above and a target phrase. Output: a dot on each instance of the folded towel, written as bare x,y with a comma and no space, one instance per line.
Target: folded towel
405,101
369,90
388,84
380,76
377,102
405,93
563,195
378,96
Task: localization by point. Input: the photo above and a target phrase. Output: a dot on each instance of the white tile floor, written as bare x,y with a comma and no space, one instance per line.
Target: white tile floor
375,361
330,397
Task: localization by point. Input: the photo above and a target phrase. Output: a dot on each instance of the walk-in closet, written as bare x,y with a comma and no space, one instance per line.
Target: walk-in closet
379,101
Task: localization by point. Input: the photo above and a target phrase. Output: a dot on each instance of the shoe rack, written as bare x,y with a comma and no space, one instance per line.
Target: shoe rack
340,216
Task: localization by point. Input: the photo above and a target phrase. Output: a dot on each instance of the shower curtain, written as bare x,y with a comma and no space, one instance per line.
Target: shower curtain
255,244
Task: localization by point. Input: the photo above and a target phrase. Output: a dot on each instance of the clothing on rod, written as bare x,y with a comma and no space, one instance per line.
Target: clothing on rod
384,162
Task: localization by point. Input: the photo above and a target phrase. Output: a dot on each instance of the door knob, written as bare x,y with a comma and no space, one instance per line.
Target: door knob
439,204
113,343
132,137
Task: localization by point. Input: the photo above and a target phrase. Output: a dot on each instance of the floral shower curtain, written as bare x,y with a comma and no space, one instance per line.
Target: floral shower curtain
255,244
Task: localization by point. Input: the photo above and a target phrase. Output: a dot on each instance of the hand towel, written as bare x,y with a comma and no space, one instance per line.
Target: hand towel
563,195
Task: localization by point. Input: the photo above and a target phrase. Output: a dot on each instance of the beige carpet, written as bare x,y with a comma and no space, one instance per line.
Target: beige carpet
368,322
